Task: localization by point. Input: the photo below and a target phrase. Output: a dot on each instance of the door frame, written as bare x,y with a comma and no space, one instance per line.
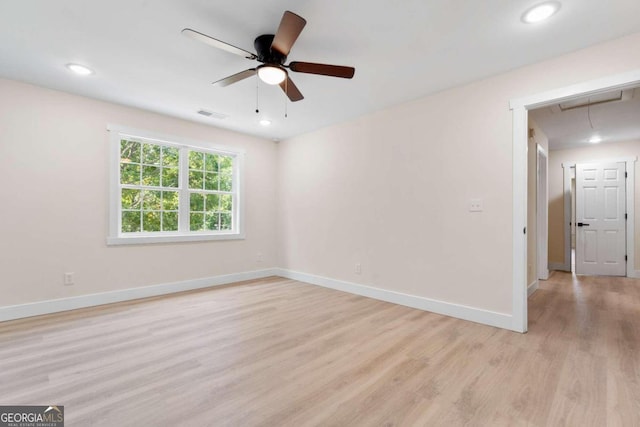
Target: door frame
630,209
542,213
520,107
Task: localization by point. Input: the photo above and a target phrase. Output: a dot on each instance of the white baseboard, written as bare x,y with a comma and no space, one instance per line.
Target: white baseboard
559,266
533,286
485,317
82,301
544,275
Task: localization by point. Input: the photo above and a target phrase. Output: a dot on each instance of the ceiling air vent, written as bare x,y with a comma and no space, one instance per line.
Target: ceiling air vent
213,115
603,98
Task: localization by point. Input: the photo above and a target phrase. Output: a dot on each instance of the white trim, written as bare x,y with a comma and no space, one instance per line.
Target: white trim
519,167
533,286
631,217
115,237
559,266
173,140
636,274
485,317
628,159
141,240
605,84
567,175
64,304
542,212
519,292
630,206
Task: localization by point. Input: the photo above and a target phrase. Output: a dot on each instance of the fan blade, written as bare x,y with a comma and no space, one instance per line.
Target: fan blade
323,69
217,43
290,28
291,90
235,77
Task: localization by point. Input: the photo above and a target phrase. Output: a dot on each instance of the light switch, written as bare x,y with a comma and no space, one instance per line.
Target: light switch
475,205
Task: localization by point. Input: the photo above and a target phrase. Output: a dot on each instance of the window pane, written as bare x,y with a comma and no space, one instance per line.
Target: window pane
170,177
211,181
170,200
197,202
129,151
131,199
211,221
196,160
212,202
196,221
226,164
196,180
225,182
225,221
129,173
226,202
131,221
170,221
151,175
151,221
154,177
170,156
151,154
211,162
152,200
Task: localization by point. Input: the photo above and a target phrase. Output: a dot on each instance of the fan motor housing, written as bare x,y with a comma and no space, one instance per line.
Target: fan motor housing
262,45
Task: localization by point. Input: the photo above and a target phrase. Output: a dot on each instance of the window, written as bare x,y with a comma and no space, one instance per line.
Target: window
164,190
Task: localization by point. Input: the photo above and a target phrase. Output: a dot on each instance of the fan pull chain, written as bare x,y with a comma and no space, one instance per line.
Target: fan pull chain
257,98
286,93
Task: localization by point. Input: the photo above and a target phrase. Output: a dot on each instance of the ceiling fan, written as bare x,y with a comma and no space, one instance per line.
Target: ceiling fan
272,51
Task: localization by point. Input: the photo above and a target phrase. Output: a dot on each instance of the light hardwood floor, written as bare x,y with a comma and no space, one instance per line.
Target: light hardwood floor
277,352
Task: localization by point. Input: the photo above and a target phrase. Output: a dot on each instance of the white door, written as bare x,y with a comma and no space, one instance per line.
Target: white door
600,217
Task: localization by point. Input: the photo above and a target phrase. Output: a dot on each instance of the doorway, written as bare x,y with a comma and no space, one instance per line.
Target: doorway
520,109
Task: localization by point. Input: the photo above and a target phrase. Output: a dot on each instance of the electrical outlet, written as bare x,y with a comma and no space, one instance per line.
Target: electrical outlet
68,279
259,257
475,205
357,268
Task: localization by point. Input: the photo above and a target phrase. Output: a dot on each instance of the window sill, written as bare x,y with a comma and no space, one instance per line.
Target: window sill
174,238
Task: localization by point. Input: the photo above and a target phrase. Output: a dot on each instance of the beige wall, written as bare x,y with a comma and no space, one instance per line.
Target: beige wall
556,188
539,138
53,169
390,190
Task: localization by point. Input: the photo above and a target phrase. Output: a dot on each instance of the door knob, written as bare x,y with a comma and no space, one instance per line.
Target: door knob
582,224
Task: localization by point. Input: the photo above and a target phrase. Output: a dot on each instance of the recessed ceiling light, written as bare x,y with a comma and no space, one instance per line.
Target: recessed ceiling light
80,70
265,122
595,139
540,12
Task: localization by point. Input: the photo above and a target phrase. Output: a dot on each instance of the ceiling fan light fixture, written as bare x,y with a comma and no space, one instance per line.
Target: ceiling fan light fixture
272,74
540,12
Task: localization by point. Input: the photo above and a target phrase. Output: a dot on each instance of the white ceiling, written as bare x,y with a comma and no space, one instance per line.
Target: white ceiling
613,121
401,51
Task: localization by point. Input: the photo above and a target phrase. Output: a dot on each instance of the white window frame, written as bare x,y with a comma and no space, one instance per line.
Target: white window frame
116,237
